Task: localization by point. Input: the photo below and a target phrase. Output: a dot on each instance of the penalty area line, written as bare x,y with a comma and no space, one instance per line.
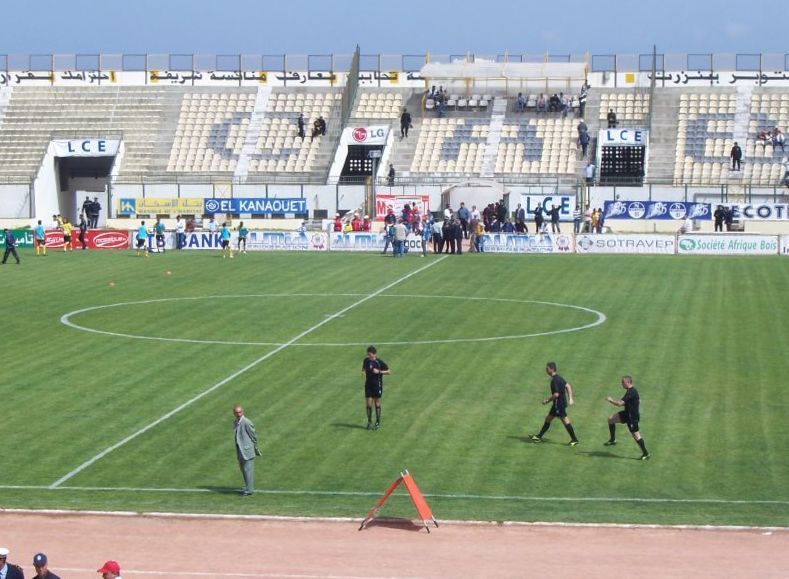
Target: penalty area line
235,375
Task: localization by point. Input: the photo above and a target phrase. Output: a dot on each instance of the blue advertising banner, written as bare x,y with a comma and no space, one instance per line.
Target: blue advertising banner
254,206
517,243
657,210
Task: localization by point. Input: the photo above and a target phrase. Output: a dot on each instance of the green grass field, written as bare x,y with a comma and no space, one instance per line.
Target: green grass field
705,339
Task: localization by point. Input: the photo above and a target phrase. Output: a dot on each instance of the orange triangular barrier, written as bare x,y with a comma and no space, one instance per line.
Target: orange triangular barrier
425,514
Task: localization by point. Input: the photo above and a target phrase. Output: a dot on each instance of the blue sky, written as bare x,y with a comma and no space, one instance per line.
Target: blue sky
398,27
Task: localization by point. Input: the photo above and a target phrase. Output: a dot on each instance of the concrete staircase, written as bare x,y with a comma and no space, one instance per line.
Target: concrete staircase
253,132
499,110
742,118
663,137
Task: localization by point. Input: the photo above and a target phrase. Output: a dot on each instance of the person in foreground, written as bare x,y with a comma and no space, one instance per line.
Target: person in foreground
630,416
373,369
246,441
561,397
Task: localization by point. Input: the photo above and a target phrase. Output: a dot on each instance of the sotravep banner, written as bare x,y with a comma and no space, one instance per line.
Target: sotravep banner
515,243
727,244
255,206
677,210
630,243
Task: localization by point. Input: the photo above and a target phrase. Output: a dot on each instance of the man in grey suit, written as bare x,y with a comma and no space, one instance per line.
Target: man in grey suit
246,441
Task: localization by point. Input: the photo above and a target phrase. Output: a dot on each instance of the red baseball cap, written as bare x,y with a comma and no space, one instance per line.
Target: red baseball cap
110,567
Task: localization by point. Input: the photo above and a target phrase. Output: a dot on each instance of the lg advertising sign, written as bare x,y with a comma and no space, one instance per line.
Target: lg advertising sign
375,135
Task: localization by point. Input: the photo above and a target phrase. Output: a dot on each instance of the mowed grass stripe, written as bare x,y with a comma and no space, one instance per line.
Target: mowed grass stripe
671,322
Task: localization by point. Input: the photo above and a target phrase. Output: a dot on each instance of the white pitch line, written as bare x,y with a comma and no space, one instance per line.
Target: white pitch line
235,375
520,498
65,319
181,573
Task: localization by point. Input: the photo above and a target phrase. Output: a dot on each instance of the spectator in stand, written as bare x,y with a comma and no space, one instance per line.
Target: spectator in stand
595,220
405,123
764,138
728,218
778,138
520,219
40,563
347,227
356,223
438,242
507,226
554,213
719,216
539,218
542,104
441,101
9,570
786,172
583,140
464,215
600,219
316,129
427,233
405,215
86,206
582,100
554,103
400,235
458,232
367,225
520,103
449,241
180,233
589,172
475,213
588,219
95,210
611,119
565,104
582,127
390,177
736,157
300,123
686,226
448,212
110,570
480,241
322,125
577,220
337,227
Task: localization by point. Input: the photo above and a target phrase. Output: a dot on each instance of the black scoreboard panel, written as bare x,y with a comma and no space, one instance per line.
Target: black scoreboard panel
622,164
358,163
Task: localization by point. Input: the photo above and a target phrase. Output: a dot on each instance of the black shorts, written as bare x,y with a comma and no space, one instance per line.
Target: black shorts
141,243
225,243
66,239
41,242
160,237
558,410
375,391
631,426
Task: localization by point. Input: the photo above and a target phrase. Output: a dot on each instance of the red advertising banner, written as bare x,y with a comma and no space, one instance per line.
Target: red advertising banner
94,239
396,202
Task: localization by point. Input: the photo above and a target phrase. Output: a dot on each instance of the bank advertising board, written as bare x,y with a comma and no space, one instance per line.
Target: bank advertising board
636,243
739,244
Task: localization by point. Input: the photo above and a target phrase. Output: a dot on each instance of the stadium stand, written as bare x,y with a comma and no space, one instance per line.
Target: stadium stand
378,105
142,115
630,107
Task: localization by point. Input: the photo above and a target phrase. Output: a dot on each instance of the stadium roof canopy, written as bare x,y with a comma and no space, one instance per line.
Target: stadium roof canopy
505,71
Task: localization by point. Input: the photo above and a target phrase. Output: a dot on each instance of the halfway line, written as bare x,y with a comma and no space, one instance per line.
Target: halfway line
235,375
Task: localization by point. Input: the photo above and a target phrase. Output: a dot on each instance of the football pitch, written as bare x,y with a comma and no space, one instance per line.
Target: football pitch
119,375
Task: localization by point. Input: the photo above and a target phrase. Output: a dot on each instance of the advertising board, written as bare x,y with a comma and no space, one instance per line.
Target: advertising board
626,243
740,244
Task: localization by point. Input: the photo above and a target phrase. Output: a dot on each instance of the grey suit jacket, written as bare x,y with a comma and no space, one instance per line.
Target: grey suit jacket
246,438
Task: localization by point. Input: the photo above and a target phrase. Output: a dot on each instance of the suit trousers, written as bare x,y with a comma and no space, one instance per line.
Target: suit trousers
247,471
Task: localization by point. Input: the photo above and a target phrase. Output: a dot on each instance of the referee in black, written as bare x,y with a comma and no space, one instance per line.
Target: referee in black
561,396
628,416
373,369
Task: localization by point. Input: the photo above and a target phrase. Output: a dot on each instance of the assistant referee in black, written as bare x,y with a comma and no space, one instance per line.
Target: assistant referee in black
630,415
561,397
373,369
